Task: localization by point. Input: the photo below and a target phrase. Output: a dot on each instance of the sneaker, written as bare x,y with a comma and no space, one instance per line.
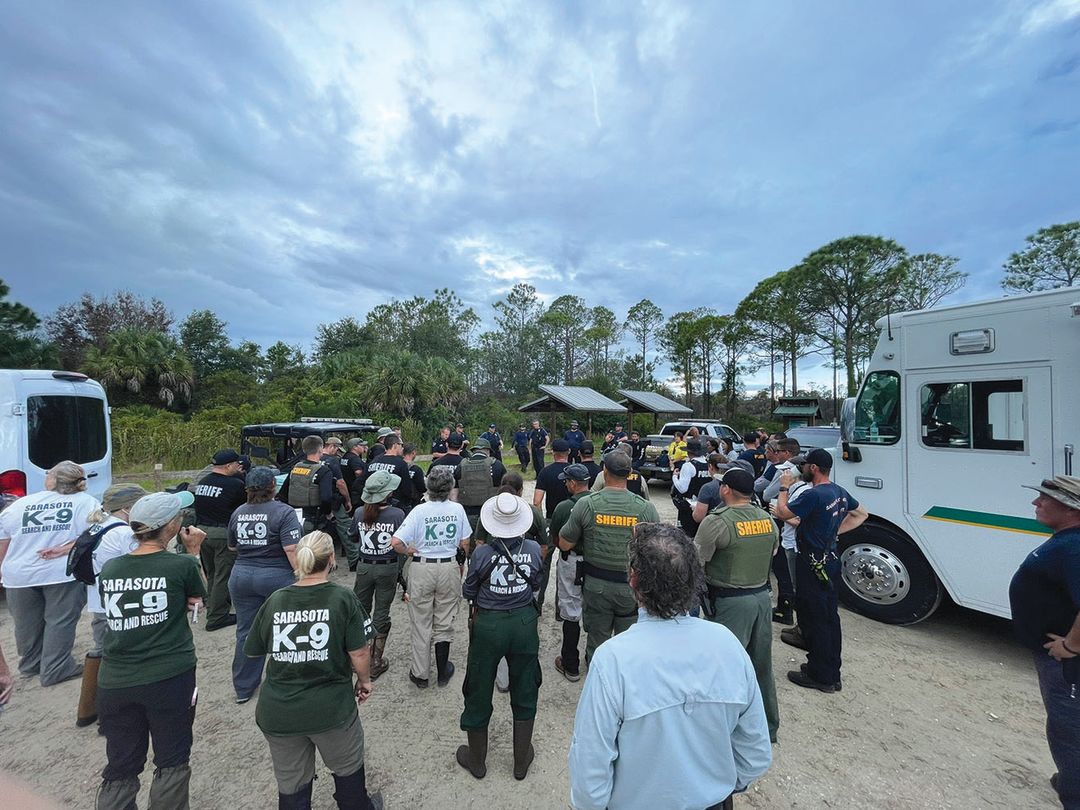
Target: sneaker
838,686
799,678
794,637
573,677
240,701
421,683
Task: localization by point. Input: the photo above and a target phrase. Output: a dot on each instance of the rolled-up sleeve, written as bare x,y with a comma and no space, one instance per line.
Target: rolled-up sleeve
594,747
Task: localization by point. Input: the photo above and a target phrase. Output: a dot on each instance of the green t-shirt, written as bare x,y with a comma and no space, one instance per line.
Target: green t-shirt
736,545
307,633
600,525
144,597
562,514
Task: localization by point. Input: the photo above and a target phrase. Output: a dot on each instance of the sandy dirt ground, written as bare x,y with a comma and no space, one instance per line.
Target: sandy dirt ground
945,714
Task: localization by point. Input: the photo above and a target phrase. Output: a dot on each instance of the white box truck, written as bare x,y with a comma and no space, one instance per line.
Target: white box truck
960,406
47,417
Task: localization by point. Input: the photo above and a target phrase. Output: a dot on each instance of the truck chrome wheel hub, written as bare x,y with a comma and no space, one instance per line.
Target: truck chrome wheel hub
874,573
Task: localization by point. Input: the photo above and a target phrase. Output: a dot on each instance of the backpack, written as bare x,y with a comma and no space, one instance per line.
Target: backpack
80,561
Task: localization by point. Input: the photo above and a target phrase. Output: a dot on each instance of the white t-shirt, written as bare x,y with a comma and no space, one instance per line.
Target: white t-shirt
116,543
787,534
435,529
40,521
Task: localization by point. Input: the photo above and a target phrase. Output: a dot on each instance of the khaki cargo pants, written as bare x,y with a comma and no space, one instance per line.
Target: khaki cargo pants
434,593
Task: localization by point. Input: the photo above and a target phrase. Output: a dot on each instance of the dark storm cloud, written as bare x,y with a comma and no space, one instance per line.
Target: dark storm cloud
250,158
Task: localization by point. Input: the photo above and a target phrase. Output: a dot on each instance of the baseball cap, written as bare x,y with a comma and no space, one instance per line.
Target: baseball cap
575,472
694,447
226,456
1064,489
259,478
454,440
158,508
574,423
560,446
121,496
355,442
334,440
588,447
739,480
492,426
617,463
481,444
820,457
385,431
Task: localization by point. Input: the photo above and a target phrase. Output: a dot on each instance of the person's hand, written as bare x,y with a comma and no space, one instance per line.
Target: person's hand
7,686
348,506
1056,647
786,478
191,538
193,601
362,690
405,597
53,552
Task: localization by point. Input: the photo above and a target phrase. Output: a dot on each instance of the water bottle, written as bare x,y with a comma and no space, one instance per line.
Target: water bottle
873,431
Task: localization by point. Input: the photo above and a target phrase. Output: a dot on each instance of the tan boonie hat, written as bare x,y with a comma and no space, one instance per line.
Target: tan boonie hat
1062,488
122,496
506,516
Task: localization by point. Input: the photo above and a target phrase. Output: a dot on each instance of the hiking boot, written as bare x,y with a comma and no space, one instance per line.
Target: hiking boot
800,678
794,637
838,686
573,677
379,664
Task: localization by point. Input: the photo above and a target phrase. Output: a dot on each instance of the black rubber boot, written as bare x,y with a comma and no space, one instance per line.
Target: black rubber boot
443,663
301,800
523,748
350,792
473,757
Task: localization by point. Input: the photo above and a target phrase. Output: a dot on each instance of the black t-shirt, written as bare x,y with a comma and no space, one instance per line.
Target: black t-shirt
439,446
217,496
537,437
757,460
548,480
449,460
398,466
416,475
594,470
334,463
355,468
638,448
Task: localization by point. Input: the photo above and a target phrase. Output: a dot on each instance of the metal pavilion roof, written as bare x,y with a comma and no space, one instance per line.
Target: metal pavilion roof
653,403
572,398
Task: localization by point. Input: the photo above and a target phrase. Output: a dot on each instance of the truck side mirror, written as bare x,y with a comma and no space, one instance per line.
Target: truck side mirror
850,452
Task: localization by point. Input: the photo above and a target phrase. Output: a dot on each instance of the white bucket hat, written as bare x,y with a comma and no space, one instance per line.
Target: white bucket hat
506,515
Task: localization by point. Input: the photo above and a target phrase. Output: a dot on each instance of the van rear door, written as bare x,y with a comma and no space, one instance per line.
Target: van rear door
66,420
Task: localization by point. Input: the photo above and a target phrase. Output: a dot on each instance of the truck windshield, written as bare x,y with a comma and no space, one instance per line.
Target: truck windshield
63,428
877,410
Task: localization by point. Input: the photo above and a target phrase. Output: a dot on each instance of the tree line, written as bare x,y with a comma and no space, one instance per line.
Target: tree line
428,360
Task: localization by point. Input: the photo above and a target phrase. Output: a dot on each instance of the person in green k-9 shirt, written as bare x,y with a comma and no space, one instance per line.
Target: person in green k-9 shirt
315,636
146,684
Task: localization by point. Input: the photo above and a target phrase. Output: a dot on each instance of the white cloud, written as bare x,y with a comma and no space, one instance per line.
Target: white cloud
1049,14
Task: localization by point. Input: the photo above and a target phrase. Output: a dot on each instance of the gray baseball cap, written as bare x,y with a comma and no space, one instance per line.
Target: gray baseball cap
121,496
575,472
260,478
158,508
617,463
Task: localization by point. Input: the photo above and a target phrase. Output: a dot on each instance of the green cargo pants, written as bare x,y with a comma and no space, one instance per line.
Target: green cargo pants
217,563
749,618
498,634
607,608
377,583
343,522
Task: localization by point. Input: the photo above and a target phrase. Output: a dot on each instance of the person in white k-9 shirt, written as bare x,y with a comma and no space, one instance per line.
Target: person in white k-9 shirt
433,534
36,532
671,715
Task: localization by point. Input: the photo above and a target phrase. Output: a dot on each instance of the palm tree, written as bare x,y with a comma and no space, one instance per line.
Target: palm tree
144,363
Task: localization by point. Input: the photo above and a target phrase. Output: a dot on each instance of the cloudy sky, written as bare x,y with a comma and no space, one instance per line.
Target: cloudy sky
250,156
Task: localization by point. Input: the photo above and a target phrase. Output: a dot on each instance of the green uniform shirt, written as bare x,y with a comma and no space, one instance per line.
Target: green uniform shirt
307,633
736,545
600,524
144,597
561,515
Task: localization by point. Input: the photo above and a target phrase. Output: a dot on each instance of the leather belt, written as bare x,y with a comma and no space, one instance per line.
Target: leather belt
432,559
603,573
715,591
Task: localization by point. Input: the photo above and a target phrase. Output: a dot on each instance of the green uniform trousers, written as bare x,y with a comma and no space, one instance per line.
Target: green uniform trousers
217,563
607,608
377,583
749,618
342,522
498,634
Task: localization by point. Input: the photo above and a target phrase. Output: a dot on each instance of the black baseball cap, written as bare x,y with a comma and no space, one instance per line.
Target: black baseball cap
226,456
575,472
588,447
739,480
454,440
560,446
822,458
492,425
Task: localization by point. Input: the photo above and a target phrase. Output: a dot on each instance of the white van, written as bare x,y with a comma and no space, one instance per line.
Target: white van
47,417
960,406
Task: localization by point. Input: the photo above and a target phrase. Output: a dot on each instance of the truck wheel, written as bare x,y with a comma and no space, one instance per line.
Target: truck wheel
886,577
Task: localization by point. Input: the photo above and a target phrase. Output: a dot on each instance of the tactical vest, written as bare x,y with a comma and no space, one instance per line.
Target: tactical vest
747,561
607,534
474,484
700,479
303,488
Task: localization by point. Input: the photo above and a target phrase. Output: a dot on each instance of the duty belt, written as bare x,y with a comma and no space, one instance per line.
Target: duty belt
716,592
432,559
378,560
607,574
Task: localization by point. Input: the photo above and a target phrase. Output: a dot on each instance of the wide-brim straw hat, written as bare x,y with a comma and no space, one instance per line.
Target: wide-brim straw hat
506,515
1062,488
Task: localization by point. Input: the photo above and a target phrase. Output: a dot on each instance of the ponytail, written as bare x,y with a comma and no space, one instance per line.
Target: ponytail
371,512
313,553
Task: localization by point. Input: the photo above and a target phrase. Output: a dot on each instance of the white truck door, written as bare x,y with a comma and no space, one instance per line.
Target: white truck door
982,434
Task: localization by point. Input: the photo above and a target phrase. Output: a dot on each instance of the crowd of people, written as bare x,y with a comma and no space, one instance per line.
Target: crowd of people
675,616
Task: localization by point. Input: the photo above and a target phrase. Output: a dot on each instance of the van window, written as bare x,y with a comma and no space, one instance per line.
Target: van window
877,410
982,415
63,428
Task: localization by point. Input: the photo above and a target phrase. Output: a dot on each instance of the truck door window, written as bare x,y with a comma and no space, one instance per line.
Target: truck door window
65,428
982,415
877,410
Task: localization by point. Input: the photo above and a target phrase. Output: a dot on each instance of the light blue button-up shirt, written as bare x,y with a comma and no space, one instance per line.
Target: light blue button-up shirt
670,717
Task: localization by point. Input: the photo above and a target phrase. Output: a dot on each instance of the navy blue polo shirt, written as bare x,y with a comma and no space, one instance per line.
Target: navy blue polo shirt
820,510
1045,590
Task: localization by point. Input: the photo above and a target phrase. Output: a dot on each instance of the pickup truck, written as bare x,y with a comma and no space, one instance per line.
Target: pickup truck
655,459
